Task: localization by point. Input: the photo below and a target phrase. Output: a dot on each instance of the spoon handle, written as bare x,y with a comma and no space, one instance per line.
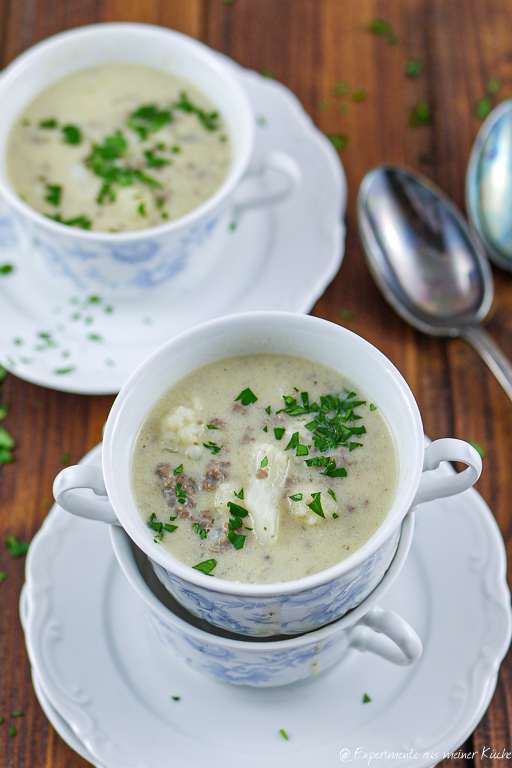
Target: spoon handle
491,354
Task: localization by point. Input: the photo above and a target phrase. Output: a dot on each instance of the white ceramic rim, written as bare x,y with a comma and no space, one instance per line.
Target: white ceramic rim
123,551
155,552
19,66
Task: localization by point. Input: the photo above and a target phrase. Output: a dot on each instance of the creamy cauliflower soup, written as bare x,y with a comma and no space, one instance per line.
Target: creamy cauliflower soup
264,468
117,148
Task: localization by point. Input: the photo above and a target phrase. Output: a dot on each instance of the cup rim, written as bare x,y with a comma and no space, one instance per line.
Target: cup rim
189,575
123,550
19,66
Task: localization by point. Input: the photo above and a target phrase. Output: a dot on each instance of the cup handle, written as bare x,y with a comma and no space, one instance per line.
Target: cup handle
434,484
274,160
71,479
386,634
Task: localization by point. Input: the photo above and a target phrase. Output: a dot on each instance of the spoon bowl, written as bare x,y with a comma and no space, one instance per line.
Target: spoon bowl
489,185
426,261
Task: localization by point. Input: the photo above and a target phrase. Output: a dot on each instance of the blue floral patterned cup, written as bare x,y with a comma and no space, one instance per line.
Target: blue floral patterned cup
290,607
234,659
129,264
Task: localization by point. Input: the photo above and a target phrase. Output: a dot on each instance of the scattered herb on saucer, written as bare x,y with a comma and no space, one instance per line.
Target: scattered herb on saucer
62,371
373,407
175,698
284,734
366,698
6,269
15,547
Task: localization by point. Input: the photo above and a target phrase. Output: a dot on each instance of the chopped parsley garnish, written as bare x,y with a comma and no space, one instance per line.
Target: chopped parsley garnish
178,469
15,547
331,493
170,528
213,447
265,428
237,539
211,426
302,450
72,134
6,269
246,397
148,119
294,441
142,209
296,497
152,161
240,494
236,510
335,515
267,409
206,566
208,119
79,221
105,162
181,493
316,505
373,407
52,123
366,698
284,734
54,194
279,432
264,462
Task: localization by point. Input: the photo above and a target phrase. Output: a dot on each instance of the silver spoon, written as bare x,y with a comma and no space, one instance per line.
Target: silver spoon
489,185
426,262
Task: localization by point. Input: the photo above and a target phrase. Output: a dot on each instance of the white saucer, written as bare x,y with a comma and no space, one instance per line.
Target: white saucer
107,677
277,258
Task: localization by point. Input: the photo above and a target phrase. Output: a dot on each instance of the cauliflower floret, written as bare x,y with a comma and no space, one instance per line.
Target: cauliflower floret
300,508
262,495
225,492
184,428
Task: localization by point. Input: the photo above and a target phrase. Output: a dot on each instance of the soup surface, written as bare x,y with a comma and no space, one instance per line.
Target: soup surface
264,468
118,147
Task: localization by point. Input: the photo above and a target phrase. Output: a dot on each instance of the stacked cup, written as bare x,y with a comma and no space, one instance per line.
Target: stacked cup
269,634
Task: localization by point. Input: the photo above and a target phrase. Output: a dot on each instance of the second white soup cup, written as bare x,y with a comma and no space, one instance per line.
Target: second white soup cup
290,607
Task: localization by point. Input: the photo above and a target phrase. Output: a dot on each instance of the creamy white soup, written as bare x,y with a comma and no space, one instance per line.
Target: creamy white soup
264,468
117,148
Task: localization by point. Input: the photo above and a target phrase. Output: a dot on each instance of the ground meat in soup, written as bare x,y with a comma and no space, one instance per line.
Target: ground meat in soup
266,468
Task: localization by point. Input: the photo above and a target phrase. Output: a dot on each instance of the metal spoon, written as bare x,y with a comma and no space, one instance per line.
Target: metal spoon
426,262
489,185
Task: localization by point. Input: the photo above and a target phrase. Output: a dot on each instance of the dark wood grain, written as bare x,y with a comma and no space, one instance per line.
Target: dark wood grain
310,45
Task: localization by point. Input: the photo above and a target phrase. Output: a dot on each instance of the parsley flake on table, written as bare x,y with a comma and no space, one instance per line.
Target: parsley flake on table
413,68
339,140
341,88
421,113
358,95
478,447
16,548
3,575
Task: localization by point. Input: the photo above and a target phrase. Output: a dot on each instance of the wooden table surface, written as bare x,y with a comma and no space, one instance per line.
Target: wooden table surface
309,45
